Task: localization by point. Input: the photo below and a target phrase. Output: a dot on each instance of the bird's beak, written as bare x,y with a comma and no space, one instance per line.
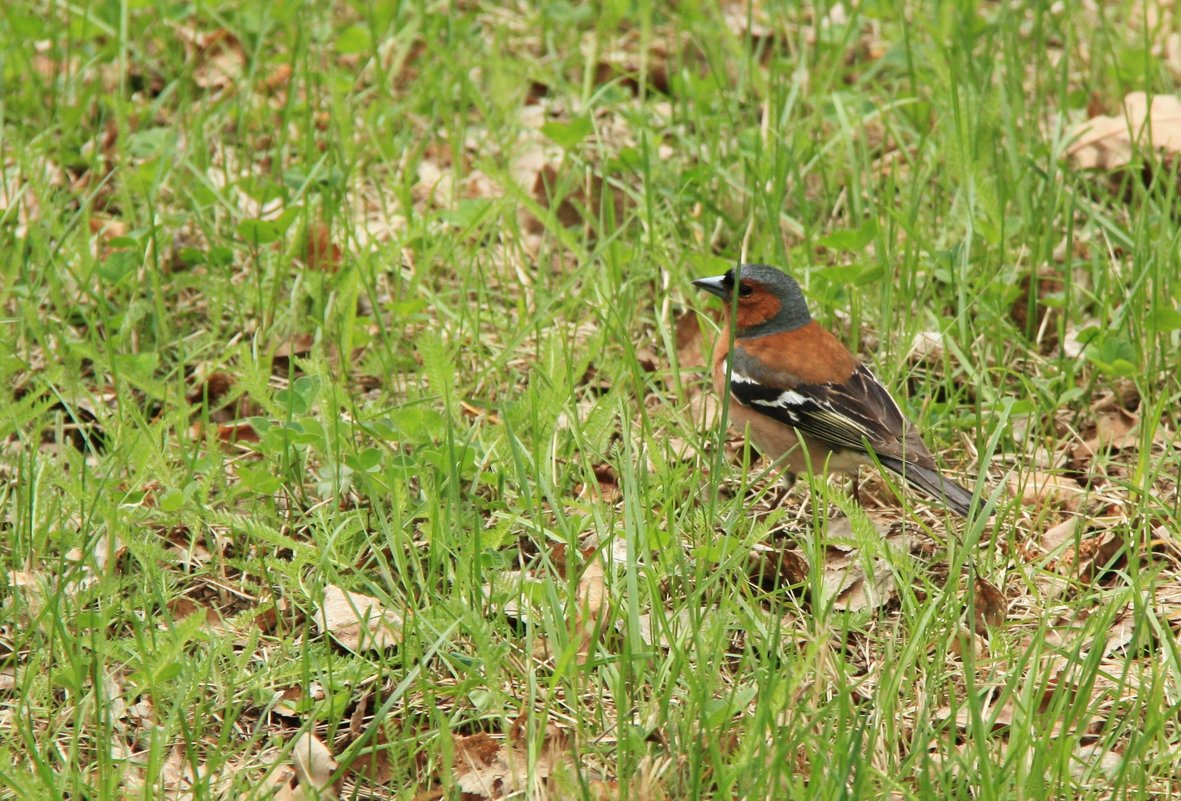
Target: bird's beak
714,285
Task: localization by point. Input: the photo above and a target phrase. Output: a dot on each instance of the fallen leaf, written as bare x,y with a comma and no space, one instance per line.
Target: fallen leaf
773,567
868,590
691,340
358,622
314,766
107,228
1095,763
993,715
1114,428
218,57
624,61
592,604
320,252
487,768
1121,632
278,78
606,486
210,391
926,346
295,345
1108,142
1056,537
237,432
990,606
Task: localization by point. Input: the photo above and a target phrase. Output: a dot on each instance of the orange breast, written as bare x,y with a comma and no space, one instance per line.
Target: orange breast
809,353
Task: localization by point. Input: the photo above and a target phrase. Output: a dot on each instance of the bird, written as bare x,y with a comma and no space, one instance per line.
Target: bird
788,378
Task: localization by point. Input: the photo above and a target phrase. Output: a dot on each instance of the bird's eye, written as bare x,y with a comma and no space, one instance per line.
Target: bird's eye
744,290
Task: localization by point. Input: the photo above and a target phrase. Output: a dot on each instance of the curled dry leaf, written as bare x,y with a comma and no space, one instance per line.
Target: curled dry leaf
1108,142
868,590
989,605
926,346
606,486
358,622
773,567
487,768
314,766
218,56
592,604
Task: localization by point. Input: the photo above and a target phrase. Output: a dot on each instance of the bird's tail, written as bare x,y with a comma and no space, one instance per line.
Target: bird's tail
957,499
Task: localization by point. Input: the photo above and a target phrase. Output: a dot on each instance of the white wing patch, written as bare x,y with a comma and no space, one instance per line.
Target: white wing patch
788,398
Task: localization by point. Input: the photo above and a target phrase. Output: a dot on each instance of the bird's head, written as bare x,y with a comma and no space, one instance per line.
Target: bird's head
765,299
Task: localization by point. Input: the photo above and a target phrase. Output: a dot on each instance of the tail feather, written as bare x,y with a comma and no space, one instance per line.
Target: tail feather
932,482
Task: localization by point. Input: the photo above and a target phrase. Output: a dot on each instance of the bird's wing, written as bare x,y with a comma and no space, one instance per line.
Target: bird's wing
843,415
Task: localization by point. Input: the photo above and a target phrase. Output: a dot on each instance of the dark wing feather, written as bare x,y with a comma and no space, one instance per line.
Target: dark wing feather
845,415
852,414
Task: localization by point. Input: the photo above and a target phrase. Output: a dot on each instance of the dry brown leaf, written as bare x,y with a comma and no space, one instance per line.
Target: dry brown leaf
773,567
278,78
592,604
990,606
926,346
295,345
1121,632
314,766
1058,536
288,702
217,56
358,622
486,768
237,432
320,252
673,628
623,60
373,763
212,390
1108,142
868,590
478,768
313,762
1097,553
606,486
1090,557
107,228
1114,428
1038,487
1095,763
994,715
691,340
745,18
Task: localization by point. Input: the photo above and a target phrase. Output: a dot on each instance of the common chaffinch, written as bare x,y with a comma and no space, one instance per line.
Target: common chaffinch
786,376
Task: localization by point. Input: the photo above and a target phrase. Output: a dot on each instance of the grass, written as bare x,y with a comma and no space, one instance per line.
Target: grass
392,298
